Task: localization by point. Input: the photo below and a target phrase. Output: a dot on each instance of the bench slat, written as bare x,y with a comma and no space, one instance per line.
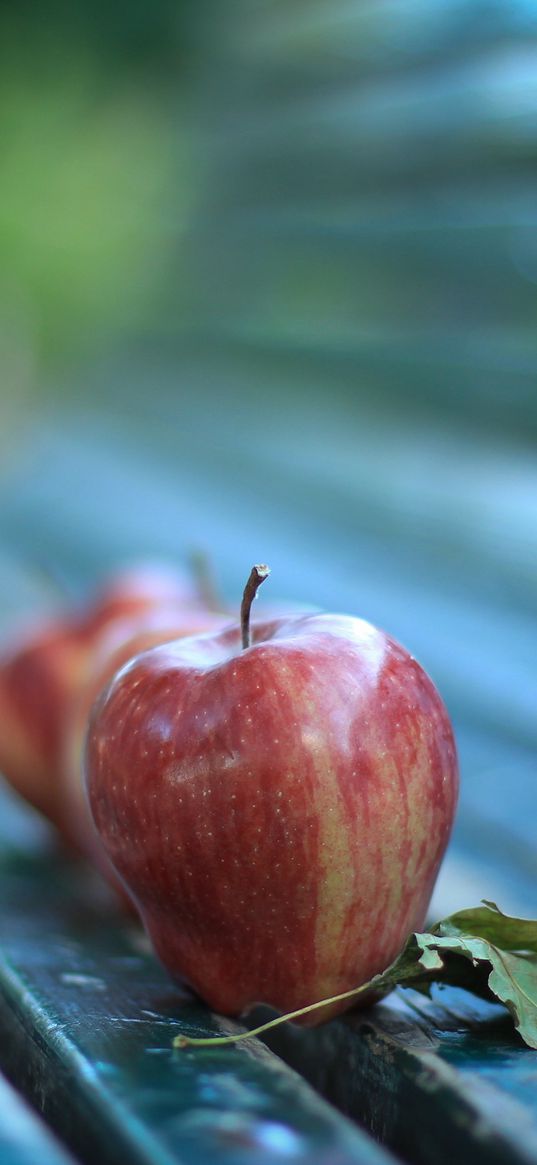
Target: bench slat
24,1139
440,1081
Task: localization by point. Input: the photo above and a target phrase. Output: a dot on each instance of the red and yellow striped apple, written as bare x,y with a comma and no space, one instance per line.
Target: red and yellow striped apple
119,641
43,669
277,805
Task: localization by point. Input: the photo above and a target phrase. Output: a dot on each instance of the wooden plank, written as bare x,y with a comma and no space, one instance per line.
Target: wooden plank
24,1139
454,1084
87,1019
346,39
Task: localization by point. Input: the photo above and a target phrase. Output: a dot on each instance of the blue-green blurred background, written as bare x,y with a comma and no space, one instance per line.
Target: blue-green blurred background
268,290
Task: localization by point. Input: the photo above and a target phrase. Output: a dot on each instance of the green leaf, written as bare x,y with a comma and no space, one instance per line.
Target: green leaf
482,950
488,921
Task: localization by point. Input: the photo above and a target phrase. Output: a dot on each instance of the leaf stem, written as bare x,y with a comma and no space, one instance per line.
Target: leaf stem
183,1041
258,574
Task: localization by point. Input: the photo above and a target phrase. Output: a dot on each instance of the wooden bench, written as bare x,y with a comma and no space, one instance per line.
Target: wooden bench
24,1138
87,1019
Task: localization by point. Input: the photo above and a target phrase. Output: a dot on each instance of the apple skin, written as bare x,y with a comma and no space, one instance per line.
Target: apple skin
279,814
118,643
42,668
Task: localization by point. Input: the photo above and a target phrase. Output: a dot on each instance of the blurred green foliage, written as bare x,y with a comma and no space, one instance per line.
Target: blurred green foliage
339,192
93,157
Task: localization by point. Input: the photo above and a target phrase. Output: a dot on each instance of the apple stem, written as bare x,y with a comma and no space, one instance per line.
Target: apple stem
183,1041
258,574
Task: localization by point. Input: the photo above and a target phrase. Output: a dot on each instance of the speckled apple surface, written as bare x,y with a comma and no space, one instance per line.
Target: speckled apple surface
45,670
279,813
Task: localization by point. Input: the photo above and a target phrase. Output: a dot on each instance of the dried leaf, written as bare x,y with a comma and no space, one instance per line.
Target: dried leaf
500,959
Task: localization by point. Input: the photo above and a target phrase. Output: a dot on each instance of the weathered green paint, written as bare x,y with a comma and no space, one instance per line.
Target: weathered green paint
438,1080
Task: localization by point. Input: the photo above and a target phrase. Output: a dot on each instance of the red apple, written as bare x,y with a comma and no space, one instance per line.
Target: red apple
278,810
40,671
147,585
118,643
